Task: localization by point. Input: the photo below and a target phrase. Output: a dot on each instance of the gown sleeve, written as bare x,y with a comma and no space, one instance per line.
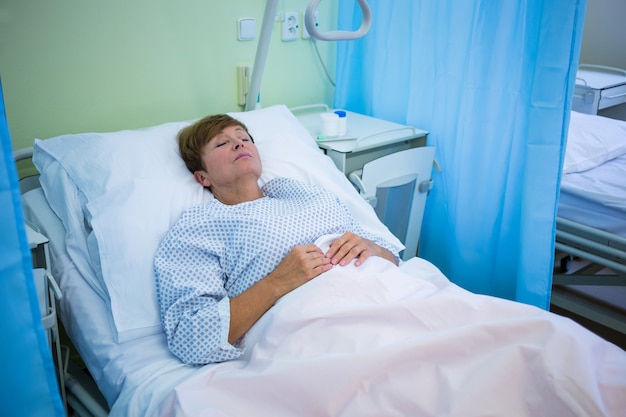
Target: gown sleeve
195,307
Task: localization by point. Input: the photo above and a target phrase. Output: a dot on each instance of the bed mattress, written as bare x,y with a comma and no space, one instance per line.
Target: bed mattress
596,197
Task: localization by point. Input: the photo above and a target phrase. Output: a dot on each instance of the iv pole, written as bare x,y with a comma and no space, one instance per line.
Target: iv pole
309,21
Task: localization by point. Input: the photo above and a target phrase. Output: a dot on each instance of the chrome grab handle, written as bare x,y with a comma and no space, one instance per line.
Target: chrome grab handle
337,35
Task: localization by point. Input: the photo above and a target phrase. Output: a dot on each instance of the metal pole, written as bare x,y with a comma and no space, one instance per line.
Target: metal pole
261,53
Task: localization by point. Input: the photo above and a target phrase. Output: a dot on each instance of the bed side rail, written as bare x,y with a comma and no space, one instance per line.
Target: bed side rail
594,245
24,153
30,182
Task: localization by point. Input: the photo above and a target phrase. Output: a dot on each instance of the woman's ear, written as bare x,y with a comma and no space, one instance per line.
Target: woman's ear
202,178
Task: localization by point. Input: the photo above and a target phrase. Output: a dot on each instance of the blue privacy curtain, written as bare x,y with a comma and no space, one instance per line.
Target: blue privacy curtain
28,383
492,82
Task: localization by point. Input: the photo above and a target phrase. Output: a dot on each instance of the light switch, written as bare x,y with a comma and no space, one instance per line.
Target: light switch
246,29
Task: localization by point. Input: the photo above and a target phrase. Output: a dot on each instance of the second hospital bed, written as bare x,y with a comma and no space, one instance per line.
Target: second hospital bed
591,222
373,340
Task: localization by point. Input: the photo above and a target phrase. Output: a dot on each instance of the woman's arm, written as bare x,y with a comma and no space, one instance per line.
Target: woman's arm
301,264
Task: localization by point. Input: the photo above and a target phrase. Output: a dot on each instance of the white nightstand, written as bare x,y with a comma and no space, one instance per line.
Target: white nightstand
48,292
367,138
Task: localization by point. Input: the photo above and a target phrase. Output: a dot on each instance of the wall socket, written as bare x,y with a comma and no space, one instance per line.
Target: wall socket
290,27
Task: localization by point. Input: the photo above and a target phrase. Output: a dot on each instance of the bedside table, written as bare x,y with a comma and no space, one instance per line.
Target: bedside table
367,138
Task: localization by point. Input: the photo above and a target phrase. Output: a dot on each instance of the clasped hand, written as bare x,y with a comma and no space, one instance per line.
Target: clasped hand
350,246
302,264
306,262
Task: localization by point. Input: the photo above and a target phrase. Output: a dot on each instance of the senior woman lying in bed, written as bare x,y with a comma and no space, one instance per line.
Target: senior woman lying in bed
227,261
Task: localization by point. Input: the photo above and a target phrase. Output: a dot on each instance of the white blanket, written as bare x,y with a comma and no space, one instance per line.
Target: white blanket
376,341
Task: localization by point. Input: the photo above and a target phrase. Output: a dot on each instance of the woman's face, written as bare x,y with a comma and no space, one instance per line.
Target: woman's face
228,158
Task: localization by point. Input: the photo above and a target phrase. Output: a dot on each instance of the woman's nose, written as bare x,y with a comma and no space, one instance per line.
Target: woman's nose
238,143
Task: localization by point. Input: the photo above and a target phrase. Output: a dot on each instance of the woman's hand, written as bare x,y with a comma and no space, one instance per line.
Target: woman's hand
350,246
301,264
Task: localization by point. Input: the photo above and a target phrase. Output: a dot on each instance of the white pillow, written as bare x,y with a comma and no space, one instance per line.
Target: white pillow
68,203
136,186
593,140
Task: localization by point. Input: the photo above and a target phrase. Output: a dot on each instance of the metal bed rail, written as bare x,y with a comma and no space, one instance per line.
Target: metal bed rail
591,310
602,249
594,245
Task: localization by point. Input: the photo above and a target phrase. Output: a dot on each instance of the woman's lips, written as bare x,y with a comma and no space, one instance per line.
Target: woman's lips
243,155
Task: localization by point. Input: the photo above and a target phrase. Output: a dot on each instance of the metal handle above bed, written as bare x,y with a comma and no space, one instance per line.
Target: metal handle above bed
337,35
266,34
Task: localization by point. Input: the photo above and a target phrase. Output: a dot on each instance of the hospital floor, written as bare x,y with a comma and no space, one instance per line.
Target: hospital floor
594,296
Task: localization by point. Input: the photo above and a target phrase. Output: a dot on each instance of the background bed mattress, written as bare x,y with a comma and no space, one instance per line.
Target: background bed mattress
596,197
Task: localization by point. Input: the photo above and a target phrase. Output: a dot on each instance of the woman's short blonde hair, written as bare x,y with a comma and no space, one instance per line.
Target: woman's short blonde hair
192,139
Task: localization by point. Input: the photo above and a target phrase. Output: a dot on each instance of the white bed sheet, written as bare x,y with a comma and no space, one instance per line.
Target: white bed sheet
596,197
117,368
381,340
133,376
329,349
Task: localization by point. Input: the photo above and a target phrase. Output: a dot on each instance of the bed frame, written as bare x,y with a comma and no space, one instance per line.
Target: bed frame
83,395
601,249
596,88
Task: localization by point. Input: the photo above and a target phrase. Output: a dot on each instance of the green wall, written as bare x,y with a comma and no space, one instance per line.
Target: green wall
72,66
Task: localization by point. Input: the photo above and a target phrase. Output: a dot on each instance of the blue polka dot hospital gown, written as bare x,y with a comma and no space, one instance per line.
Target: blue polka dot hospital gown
215,252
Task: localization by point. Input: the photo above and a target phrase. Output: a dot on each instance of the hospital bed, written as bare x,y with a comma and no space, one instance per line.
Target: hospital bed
591,222
370,340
